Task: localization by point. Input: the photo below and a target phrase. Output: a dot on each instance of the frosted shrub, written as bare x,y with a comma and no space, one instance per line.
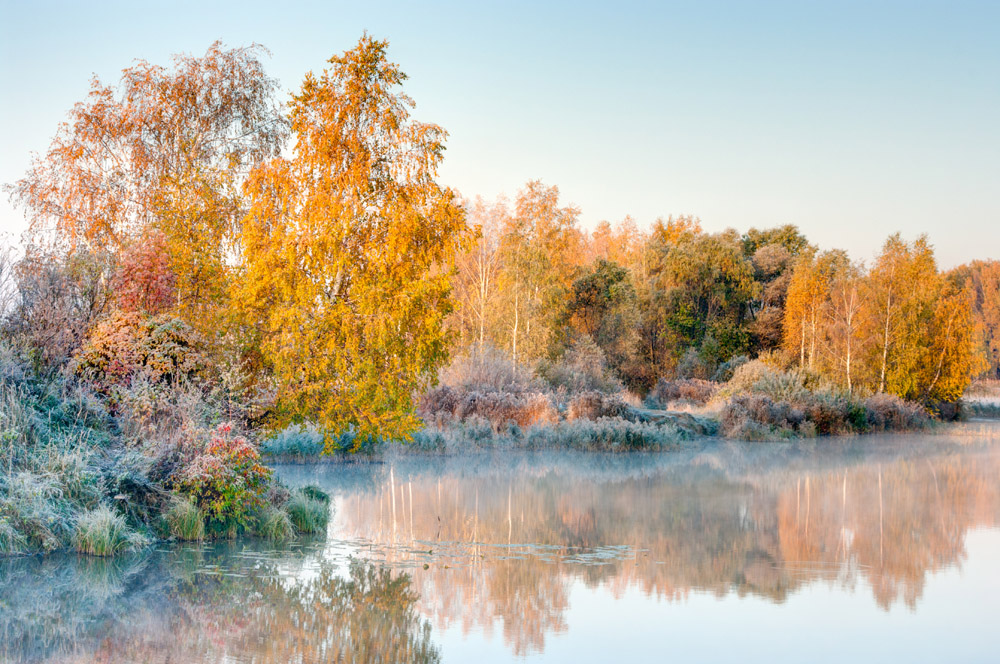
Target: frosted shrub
298,440
692,391
594,405
488,369
887,412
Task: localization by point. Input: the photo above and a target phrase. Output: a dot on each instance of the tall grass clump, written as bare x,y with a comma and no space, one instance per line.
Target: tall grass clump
184,520
307,513
102,532
275,524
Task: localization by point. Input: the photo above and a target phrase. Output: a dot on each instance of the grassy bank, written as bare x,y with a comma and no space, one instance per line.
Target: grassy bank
487,403
77,472
982,399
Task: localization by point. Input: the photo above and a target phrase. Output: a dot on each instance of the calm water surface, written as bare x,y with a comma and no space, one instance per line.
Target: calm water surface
864,549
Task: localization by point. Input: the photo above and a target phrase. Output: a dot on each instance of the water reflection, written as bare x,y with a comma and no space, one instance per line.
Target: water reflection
422,549
505,538
220,603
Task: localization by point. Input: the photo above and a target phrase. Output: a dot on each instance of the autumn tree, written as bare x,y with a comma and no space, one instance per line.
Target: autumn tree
701,287
347,251
842,327
773,253
164,150
145,281
540,249
900,280
603,306
807,302
983,277
479,302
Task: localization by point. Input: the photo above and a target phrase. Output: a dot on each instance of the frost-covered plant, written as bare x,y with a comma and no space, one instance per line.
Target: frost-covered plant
102,532
125,344
582,368
184,520
227,481
275,524
488,369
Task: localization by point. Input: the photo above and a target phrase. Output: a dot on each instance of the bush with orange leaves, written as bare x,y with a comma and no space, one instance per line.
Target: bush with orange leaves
125,344
227,481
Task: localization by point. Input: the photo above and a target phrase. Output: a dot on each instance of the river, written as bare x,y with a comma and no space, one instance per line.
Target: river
882,548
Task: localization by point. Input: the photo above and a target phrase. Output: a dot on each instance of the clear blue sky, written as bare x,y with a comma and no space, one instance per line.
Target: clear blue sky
851,119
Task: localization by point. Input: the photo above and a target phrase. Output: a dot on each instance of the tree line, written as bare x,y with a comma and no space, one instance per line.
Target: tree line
306,257
677,301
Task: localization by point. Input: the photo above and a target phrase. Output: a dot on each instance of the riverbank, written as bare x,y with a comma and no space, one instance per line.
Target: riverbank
82,472
105,474
759,403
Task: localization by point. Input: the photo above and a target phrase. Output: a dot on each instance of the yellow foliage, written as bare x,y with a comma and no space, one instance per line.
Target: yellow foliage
347,252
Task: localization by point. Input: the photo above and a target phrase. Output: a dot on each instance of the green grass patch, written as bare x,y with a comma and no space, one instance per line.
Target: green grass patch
308,514
102,532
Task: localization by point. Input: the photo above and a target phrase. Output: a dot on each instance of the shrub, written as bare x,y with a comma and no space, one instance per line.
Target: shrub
102,532
887,412
582,368
295,440
687,390
184,520
758,377
487,369
728,368
275,524
501,409
124,345
693,364
758,417
308,515
227,481
145,281
595,405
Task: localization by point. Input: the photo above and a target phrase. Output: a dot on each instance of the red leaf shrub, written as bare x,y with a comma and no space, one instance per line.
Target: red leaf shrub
227,480
145,282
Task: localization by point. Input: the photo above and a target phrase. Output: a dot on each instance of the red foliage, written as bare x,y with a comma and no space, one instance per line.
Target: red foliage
227,480
146,282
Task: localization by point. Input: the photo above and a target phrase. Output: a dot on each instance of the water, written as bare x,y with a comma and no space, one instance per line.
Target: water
863,549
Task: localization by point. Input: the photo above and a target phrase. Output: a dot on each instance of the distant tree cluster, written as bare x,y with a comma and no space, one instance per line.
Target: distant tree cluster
676,301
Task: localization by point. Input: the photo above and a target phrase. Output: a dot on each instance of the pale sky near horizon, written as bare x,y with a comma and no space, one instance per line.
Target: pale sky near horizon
852,120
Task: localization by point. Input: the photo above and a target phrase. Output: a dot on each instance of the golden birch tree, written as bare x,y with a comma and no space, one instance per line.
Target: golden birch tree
348,249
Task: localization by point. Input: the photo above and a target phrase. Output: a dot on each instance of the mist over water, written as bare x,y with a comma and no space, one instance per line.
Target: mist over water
866,548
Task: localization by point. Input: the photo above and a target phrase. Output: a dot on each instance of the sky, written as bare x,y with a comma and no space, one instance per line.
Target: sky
853,120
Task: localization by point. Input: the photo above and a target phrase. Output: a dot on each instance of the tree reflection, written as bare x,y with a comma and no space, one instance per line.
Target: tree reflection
522,538
170,608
